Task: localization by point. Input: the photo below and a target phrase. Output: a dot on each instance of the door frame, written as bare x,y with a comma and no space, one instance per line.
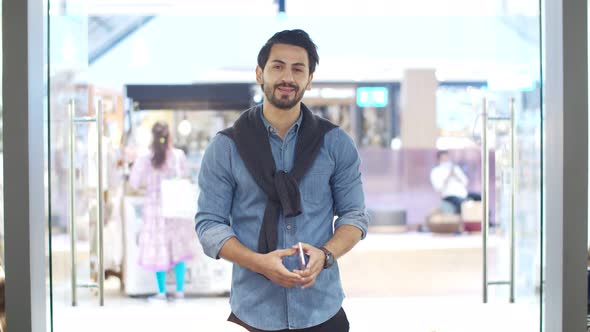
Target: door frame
566,164
23,92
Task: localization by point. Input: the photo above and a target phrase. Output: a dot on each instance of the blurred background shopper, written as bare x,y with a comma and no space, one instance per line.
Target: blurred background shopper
164,243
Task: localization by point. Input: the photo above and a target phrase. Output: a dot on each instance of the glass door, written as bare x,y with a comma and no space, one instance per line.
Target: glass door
482,64
512,115
72,165
512,231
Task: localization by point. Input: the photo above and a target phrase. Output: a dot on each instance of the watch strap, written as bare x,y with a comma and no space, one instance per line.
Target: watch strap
329,261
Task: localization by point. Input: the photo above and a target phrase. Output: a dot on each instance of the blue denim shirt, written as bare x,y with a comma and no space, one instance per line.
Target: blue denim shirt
232,205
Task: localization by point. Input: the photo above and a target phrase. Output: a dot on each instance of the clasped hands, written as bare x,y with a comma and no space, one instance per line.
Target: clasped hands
271,266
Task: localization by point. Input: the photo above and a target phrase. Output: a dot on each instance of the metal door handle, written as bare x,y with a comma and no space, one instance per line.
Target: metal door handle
512,197
71,111
485,198
100,199
98,119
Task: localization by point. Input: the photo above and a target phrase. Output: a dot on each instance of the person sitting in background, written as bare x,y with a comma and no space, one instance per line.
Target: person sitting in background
450,181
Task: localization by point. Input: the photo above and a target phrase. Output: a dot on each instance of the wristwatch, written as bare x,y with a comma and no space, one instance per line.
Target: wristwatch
329,258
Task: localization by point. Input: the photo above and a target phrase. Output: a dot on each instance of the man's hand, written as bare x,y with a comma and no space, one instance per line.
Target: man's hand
271,266
315,265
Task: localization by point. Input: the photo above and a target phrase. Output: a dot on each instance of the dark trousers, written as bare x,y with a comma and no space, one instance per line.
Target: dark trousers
457,201
338,323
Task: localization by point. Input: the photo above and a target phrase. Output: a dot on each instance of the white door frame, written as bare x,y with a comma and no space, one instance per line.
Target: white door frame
23,83
566,164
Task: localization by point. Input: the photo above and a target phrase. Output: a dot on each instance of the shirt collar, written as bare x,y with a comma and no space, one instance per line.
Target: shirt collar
271,130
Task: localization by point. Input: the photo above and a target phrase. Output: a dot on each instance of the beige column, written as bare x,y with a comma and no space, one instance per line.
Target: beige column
418,109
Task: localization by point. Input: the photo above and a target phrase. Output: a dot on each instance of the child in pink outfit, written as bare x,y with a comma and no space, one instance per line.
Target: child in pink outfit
163,242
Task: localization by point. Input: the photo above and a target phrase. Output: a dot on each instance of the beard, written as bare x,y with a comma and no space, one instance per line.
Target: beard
284,102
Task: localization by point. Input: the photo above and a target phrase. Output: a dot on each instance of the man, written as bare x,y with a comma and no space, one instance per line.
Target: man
450,182
276,178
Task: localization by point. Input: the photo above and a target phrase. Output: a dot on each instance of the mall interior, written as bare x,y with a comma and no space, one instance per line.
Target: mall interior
501,85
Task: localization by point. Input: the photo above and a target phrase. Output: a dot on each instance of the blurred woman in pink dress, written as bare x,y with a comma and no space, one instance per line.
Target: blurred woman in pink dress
164,243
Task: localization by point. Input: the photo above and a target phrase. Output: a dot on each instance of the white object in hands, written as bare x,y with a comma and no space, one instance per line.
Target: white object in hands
302,262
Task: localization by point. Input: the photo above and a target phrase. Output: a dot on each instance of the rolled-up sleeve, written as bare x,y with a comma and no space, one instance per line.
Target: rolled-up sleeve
216,185
347,187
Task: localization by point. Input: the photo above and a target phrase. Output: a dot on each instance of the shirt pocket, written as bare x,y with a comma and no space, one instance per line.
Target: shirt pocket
315,186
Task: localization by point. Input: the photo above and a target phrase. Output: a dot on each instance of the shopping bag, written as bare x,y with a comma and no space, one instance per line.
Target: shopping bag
179,199
178,196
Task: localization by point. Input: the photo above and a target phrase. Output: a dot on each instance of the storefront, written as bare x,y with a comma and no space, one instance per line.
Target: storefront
35,149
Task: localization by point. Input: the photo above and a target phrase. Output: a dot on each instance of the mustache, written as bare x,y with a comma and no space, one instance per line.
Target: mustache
287,85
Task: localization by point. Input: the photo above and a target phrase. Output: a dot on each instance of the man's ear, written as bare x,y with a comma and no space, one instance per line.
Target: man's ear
259,78
308,86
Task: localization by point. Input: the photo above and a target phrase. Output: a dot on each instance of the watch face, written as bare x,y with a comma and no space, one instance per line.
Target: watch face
329,258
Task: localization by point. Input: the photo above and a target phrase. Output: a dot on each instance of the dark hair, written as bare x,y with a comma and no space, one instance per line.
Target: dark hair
160,136
295,37
441,153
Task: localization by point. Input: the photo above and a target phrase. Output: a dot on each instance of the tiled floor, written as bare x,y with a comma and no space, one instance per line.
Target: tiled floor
365,314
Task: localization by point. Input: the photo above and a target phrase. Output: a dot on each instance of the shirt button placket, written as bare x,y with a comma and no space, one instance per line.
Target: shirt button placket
288,241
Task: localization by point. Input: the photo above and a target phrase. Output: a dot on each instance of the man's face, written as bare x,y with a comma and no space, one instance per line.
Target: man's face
285,76
444,158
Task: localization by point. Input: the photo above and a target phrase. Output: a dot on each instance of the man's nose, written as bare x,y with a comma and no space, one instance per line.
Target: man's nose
287,76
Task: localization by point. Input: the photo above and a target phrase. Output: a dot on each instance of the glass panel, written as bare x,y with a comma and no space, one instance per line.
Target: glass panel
524,194
401,96
524,16
68,62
